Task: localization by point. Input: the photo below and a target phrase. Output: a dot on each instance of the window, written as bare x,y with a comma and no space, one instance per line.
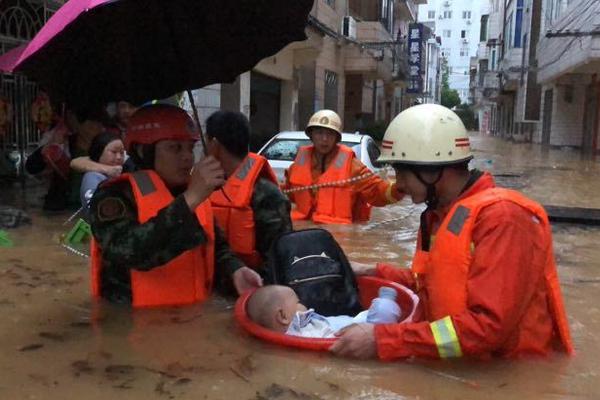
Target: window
518,23
387,15
466,14
431,14
447,33
447,14
464,53
493,64
484,28
463,34
284,150
509,26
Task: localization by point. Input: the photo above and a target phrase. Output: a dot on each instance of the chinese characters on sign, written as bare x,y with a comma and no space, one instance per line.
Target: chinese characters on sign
415,54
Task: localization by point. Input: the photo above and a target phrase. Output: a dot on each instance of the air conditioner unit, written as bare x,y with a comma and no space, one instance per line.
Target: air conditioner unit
465,40
468,22
349,27
447,3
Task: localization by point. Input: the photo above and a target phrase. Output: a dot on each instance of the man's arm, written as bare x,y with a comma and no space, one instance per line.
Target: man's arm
84,164
499,287
271,214
125,241
374,190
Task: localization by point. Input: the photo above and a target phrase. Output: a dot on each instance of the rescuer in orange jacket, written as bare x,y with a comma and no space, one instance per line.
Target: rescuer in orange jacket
155,241
484,266
250,207
328,161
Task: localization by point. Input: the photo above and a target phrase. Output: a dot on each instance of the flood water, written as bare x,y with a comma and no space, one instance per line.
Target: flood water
50,348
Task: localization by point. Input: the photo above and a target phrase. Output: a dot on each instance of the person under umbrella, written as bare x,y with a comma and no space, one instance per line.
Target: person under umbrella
155,240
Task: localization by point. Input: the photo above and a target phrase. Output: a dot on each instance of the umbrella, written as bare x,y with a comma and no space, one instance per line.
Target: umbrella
94,51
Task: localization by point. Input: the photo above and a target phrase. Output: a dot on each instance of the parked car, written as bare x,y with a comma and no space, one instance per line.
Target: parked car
282,148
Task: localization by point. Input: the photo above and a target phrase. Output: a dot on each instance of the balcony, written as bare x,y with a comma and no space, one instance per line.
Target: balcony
374,61
326,15
406,10
510,67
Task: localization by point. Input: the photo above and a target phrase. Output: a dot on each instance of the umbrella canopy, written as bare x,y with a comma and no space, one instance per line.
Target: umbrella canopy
94,51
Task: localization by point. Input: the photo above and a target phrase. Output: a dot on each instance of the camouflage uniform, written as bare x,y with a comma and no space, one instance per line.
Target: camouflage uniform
271,214
126,243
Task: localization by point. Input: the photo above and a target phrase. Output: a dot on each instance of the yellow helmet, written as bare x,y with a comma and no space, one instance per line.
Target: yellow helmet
426,134
325,119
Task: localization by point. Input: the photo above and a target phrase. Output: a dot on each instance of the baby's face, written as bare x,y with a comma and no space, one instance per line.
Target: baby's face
291,303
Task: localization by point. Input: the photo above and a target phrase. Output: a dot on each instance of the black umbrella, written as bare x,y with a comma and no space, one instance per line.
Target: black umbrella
94,51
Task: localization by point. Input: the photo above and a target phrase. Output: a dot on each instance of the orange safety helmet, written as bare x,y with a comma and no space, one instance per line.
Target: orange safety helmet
154,123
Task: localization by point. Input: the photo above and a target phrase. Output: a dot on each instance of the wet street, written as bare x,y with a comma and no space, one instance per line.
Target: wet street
56,344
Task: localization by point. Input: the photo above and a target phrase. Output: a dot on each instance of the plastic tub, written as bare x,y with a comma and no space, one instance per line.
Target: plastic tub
368,290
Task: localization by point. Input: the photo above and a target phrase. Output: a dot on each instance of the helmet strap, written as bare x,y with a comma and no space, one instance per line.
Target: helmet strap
432,202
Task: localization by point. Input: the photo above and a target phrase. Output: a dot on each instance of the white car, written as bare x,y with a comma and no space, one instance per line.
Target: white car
282,148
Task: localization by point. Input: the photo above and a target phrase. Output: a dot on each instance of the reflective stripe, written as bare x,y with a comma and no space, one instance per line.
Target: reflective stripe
144,183
445,338
246,167
458,219
341,160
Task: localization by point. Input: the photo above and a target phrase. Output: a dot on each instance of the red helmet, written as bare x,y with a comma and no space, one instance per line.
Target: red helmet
154,123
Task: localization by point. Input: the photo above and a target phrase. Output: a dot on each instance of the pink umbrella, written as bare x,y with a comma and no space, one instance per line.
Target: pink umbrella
11,58
93,51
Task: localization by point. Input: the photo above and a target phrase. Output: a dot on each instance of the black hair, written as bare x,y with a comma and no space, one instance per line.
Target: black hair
231,129
99,143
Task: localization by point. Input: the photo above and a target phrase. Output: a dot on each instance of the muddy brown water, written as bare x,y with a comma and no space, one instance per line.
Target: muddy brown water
50,349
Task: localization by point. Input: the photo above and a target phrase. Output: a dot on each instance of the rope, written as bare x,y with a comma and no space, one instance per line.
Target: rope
72,217
74,251
330,184
387,221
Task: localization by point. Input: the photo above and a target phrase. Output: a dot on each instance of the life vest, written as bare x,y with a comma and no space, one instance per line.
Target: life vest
443,273
235,215
186,279
338,204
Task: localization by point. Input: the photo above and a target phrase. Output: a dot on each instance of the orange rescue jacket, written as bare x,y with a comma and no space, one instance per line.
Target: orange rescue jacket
443,271
187,278
236,217
338,204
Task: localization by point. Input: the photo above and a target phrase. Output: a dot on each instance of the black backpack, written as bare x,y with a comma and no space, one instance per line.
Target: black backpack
313,264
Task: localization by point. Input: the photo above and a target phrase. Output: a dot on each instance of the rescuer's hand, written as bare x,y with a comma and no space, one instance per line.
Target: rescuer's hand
356,341
245,279
112,170
207,175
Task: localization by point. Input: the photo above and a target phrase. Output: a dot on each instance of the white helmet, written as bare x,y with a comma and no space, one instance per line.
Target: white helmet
325,119
426,134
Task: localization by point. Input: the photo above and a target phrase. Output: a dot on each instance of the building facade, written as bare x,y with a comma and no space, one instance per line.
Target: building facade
457,23
353,62
544,88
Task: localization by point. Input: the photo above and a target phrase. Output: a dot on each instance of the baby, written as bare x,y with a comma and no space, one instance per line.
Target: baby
278,308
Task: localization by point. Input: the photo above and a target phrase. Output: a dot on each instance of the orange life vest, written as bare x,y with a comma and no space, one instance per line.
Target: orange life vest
186,279
338,204
236,217
444,270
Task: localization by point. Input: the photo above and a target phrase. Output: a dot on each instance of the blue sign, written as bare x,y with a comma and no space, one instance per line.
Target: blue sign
415,58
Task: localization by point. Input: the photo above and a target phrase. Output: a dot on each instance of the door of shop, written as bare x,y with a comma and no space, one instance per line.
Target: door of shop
265,101
547,123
